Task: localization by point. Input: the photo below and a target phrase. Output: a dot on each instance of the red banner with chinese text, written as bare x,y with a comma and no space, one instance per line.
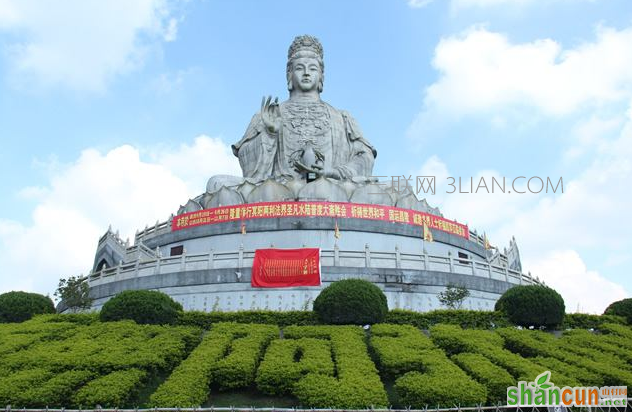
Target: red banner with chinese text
282,268
317,209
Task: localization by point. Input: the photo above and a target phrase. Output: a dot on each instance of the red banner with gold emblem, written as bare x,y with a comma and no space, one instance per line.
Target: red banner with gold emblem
282,268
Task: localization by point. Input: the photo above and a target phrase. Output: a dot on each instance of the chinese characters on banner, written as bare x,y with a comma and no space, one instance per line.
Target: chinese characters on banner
279,268
317,209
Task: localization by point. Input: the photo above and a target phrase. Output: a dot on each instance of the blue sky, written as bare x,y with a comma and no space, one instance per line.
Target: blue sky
116,112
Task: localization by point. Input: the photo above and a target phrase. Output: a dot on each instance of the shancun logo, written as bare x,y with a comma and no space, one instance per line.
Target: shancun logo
543,392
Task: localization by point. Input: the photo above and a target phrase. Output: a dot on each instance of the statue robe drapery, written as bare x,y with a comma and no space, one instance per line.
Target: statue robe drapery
333,133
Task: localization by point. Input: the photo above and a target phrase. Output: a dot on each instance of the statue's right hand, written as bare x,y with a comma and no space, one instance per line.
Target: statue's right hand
271,114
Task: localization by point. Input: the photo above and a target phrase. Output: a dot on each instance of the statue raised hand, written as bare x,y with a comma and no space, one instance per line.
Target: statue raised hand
271,114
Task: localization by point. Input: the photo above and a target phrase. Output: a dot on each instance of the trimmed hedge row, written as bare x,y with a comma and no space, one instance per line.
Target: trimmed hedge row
468,319
239,367
587,321
495,378
106,347
205,320
399,348
426,375
465,318
288,360
110,391
358,384
489,344
228,355
536,343
53,363
442,383
13,386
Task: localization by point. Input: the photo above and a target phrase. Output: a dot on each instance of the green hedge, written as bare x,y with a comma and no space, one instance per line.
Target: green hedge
288,360
423,320
455,340
587,321
269,317
239,367
57,391
398,348
465,318
106,347
14,385
111,391
442,383
358,383
495,378
536,343
228,356
188,385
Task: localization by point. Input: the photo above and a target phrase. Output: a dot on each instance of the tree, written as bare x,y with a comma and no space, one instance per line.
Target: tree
453,296
74,293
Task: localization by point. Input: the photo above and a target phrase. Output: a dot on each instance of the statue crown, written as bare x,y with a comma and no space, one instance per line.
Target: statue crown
305,43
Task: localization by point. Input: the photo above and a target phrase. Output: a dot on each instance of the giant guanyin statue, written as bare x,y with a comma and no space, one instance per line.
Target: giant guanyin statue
304,137
302,149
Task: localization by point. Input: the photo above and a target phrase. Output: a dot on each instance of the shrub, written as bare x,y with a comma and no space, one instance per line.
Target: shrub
476,319
238,368
141,306
399,348
495,378
621,308
113,390
269,317
358,383
532,305
188,385
21,306
351,301
288,360
588,321
442,383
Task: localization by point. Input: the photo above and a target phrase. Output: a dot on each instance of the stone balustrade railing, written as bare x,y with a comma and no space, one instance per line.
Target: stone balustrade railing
335,258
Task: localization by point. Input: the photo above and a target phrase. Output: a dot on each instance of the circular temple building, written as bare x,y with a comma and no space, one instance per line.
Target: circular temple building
306,212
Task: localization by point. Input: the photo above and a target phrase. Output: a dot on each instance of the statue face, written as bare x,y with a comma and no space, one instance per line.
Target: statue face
306,74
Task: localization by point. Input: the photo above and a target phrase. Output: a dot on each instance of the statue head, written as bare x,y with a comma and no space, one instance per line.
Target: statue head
304,50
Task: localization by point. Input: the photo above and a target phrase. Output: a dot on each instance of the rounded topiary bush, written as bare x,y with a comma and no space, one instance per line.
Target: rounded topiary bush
532,305
141,306
21,306
351,301
621,308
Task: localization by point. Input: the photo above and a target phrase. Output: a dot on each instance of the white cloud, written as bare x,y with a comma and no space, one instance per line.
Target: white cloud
466,4
416,4
82,44
482,71
584,290
488,3
197,162
557,232
83,198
